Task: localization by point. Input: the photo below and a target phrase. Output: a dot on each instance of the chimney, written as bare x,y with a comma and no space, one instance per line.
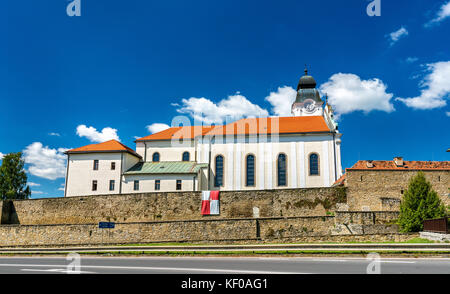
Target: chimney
398,161
369,163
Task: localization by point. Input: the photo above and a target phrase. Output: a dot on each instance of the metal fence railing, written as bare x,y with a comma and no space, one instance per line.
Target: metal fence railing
439,225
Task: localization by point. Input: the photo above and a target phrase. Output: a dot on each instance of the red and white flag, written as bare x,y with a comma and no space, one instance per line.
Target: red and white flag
210,202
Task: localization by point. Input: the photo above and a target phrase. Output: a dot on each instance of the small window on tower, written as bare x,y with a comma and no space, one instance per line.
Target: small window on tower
113,165
178,184
96,164
94,185
157,185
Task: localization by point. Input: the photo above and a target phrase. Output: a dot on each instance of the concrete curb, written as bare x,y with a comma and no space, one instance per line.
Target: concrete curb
272,247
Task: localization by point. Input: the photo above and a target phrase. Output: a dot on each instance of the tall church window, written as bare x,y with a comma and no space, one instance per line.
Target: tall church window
186,156
281,170
155,157
218,180
314,164
250,174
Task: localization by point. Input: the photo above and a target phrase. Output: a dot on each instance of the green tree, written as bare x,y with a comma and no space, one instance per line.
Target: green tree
13,179
419,202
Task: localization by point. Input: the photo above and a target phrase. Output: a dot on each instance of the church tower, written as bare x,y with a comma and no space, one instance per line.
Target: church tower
308,102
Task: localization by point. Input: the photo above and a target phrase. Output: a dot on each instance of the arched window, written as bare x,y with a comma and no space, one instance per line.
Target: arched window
155,157
314,164
185,156
218,180
250,175
281,169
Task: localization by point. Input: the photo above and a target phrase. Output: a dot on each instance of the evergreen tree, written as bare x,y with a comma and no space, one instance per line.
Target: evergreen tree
419,202
13,179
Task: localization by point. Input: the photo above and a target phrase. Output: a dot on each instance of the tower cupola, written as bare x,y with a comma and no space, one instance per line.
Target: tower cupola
307,102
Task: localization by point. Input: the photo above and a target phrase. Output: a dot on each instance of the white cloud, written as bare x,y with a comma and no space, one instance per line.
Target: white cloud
157,127
37,192
442,14
348,93
411,59
234,107
436,88
54,134
397,35
31,184
282,100
1,156
45,162
447,113
94,136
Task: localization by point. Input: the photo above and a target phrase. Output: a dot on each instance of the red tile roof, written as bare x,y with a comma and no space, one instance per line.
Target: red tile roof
178,133
248,126
407,165
340,181
108,146
274,125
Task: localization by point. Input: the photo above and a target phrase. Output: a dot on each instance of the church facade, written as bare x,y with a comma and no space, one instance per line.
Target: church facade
300,151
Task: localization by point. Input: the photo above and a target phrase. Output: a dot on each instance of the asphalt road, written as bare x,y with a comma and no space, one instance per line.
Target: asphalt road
223,265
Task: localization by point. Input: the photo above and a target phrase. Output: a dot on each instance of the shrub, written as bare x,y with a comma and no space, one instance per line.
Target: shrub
419,202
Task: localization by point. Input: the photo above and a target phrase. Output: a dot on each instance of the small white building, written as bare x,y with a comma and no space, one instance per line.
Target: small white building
301,151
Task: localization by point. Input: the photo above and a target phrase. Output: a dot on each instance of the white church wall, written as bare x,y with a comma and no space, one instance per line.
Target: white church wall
140,149
297,148
170,151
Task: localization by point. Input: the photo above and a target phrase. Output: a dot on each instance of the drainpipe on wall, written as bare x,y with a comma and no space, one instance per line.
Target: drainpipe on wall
145,151
121,173
67,175
209,166
335,163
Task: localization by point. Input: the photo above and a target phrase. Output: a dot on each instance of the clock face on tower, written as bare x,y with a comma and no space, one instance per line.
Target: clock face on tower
309,106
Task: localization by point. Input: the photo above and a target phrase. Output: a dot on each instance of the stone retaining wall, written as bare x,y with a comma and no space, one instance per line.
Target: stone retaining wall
300,229
148,207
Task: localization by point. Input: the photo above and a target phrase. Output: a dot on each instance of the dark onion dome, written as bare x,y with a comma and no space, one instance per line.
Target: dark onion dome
306,82
306,89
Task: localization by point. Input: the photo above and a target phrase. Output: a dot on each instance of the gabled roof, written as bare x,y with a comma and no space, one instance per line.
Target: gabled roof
247,126
407,165
178,133
108,146
273,125
165,167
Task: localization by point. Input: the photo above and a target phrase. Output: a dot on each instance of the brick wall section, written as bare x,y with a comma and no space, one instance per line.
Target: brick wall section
89,234
291,229
296,227
381,190
366,218
170,206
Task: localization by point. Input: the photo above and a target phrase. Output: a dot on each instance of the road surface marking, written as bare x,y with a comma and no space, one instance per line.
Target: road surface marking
160,268
55,270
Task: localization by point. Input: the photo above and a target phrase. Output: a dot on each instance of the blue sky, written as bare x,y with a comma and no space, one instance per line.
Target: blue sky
124,65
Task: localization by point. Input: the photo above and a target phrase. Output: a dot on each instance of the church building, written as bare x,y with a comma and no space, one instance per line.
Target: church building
300,151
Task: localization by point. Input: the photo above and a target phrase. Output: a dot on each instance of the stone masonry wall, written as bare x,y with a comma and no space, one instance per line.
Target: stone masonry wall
170,206
382,190
293,229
